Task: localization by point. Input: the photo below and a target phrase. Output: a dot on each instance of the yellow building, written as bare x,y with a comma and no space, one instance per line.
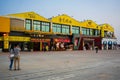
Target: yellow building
106,29
33,31
4,32
90,35
109,40
4,24
67,26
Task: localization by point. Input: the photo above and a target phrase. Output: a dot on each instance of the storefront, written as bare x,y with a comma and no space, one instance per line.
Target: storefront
109,44
32,31
61,43
76,39
23,42
89,43
40,44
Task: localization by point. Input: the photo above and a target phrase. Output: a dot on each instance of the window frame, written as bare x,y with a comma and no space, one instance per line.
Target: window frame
36,25
45,26
30,24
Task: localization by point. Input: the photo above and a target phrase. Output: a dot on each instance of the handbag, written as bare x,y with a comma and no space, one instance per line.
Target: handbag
12,55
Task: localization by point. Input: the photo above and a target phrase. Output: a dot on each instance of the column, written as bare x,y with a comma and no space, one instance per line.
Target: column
40,46
70,29
6,42
51,27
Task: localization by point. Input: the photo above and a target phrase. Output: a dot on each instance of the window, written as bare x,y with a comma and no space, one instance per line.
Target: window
108,34
105,33
96,32
84,31
75,30
65,29
56,28
88,31
28,24
36,25
91,32
45,26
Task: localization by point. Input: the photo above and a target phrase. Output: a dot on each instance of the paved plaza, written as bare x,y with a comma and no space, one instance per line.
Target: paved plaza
64,65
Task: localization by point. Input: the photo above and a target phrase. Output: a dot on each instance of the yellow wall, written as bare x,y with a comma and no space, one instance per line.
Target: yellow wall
17,28
17,24
90,24
107,27
15,38
4,24
18,38
29,15
6,40
65,19
102,32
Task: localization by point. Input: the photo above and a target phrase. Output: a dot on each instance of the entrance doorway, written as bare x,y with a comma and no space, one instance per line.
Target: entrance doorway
36,46
88,44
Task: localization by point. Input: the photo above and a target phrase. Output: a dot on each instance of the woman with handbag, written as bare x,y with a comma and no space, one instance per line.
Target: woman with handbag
11,57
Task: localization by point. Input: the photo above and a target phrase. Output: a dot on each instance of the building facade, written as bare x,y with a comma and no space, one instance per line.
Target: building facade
35,32
108,38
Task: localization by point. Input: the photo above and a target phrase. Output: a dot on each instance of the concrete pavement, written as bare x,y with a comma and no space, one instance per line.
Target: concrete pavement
64,65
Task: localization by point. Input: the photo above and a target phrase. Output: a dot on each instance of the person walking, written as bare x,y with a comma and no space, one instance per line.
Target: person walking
11,57
17,57
96,48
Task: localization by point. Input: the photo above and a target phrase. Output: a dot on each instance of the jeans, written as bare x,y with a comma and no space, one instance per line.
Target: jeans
11,63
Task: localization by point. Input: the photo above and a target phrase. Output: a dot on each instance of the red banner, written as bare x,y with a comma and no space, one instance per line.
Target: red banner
40,40
62,40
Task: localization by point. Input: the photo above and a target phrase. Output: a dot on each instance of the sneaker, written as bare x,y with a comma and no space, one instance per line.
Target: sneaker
10,69
18,69
14,69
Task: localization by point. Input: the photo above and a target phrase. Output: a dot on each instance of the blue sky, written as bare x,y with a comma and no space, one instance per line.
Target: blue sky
100,11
